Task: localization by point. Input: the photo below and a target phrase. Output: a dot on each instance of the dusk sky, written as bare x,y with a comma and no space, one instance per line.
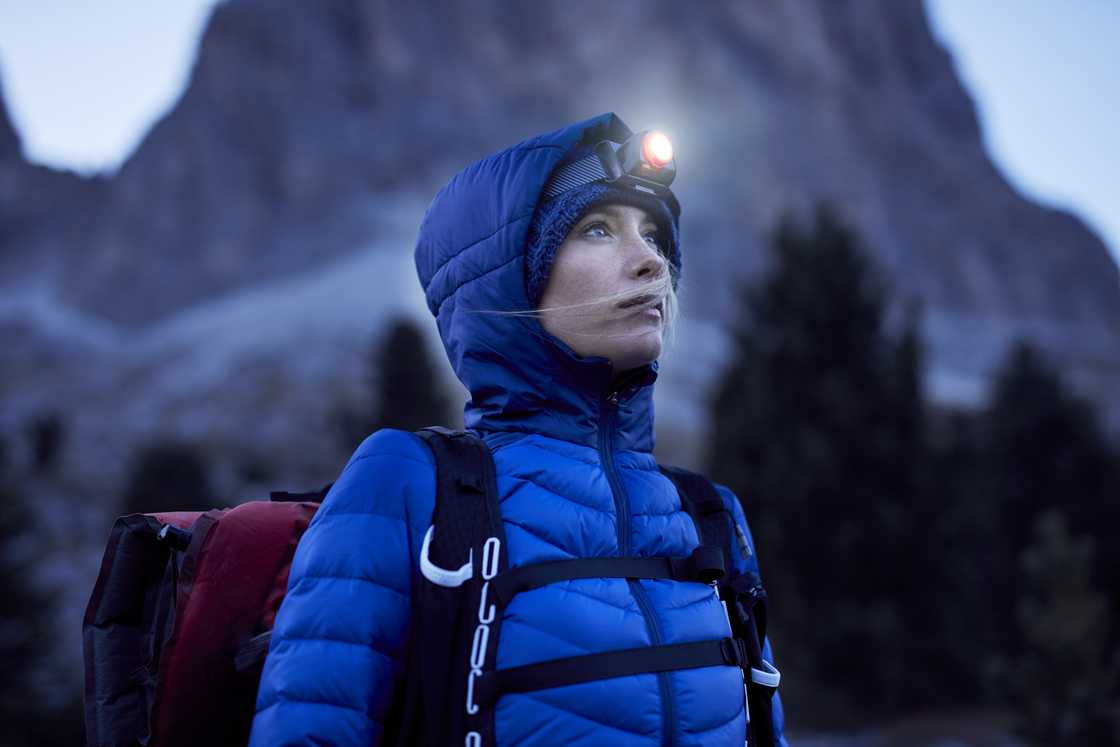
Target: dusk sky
85,81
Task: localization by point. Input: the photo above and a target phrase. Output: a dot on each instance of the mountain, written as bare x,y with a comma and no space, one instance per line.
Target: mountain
9,139
299,116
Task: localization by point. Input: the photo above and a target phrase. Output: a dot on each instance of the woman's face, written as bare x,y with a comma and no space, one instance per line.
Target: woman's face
595,299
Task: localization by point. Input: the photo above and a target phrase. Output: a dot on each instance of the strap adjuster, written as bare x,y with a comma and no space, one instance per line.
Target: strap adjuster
747,585
705,565
733,650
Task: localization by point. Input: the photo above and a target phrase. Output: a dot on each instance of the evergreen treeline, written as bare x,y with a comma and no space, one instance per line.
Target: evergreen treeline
167,476
895,539
402,384
29,714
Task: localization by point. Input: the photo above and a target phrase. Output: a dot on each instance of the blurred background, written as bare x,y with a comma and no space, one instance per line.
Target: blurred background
901,333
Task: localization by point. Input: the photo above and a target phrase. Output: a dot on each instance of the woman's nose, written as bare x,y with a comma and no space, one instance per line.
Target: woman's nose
647,262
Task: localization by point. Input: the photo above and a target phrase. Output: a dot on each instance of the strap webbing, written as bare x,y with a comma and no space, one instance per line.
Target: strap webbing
577,669
463,513
314,496
704,565
444,621
743,592
702,502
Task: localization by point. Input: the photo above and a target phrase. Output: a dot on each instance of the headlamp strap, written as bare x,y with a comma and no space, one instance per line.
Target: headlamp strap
575,174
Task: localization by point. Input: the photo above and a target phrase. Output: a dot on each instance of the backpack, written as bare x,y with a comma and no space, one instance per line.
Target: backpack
178,625
171,634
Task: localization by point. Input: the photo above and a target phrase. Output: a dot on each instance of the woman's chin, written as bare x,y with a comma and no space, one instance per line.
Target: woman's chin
637,350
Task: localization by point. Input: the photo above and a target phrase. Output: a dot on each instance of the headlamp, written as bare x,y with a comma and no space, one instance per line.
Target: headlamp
644,163
657,151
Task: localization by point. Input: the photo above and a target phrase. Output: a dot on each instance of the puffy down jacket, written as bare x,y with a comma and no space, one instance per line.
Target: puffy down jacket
576,478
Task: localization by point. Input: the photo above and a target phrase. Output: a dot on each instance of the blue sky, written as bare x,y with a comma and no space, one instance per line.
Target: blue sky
1045,75
85,81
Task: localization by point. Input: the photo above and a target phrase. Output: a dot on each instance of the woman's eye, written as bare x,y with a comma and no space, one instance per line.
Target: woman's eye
652,240
598,230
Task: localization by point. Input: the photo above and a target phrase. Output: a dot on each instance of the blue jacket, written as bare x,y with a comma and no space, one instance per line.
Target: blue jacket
576,478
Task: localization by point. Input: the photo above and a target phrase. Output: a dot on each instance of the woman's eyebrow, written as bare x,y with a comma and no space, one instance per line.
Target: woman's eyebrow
614,211
601,212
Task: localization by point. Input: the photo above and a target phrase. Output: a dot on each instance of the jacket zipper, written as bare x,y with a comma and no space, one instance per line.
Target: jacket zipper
622,511
621,505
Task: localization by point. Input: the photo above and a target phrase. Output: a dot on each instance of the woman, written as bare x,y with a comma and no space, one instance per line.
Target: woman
552,290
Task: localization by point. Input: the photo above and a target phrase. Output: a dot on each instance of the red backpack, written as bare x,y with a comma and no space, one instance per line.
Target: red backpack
176,630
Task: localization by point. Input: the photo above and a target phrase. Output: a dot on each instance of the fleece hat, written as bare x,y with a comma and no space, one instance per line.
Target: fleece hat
555,217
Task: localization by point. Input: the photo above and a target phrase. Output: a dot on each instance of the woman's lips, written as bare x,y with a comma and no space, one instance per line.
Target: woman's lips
648,301
650,310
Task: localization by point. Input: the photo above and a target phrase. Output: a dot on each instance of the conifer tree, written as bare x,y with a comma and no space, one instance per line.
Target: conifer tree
46,435
1065,688
22,620
29,715
168,476
403,385
818,426
1043,450
407,385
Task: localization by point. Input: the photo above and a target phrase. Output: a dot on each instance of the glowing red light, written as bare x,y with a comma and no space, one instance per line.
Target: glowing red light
657,151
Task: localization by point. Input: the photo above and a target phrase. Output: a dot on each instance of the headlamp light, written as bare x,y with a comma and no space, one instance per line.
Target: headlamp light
644,163
657,151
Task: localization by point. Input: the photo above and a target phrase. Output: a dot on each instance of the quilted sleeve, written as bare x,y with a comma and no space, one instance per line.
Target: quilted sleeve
340,633
751,563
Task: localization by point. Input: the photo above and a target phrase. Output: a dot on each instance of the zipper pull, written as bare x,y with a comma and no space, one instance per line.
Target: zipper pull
612,398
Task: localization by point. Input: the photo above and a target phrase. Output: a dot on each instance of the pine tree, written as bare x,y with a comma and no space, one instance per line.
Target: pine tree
46,435
818,425
409,394
26,715
1043,450
168,476
22,621
1066,686
403,384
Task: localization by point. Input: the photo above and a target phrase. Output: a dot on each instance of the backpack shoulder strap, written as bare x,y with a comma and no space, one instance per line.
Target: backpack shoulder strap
742,593
466,506
702,501
454,629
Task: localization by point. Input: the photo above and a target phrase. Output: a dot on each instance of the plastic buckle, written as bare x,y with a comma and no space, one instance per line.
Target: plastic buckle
179,539
706,563
770,677
733,651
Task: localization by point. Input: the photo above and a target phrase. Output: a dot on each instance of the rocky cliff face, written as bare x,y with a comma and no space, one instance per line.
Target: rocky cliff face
9,140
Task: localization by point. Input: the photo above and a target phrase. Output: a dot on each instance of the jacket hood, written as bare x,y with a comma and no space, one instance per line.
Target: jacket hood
470,257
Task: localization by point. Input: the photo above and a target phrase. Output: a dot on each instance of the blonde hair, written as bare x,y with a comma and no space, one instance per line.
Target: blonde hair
662,286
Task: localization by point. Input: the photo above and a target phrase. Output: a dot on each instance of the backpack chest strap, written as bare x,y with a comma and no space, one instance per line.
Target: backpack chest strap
575,670
704,565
